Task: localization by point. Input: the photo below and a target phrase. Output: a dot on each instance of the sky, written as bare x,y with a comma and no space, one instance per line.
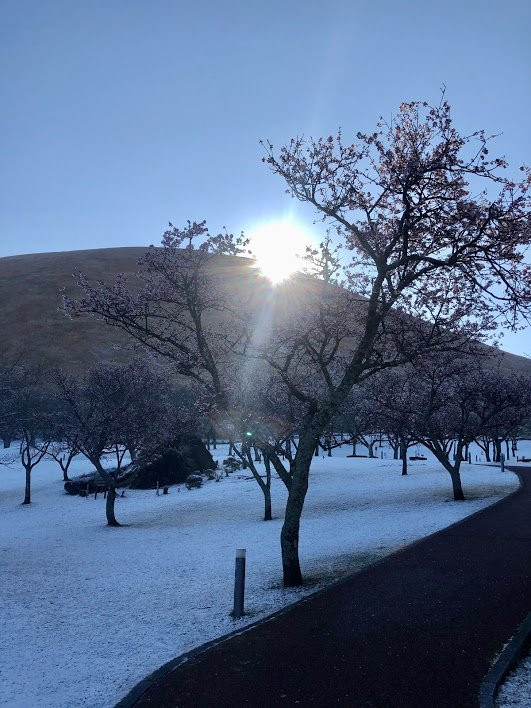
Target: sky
117,116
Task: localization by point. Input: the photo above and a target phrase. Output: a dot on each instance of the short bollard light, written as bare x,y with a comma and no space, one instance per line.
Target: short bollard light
239,583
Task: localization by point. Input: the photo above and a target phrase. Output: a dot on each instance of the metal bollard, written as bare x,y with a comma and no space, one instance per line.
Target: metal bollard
239,583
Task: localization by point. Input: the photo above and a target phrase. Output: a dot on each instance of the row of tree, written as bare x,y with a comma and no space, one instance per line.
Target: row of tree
426,258
116,410
443,402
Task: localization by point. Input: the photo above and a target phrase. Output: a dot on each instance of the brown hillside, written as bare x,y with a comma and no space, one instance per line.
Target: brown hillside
31,324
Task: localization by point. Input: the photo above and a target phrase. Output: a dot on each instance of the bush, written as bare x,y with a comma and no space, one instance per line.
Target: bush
232,464
194,481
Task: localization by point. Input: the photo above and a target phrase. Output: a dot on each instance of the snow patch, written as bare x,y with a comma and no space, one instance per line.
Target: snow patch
88,611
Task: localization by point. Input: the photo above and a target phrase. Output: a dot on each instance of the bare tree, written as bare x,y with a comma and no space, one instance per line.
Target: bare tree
423,246
180,313
31,416
94,404
505,407
446,398
429,266
63,453
391,395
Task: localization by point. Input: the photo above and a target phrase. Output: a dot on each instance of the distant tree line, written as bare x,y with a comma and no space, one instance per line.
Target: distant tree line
443,402
427,259
110,410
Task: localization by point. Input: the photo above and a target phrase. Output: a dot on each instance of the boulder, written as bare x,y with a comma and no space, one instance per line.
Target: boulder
85,484
187,454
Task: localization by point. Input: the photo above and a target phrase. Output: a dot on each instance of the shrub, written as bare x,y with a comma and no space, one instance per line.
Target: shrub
194,481
232,464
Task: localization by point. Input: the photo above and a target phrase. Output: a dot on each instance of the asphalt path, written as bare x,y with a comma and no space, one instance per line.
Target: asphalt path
420,628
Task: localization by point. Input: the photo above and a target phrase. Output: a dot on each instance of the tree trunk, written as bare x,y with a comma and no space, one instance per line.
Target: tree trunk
27,488
372,443
267,504
496,444
455,474
111,493
267,494
289,537
264,486
65,475
279,467
456,484
403,455
109,506
443,456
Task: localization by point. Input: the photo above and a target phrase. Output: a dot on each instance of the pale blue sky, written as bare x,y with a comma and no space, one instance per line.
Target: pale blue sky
117,116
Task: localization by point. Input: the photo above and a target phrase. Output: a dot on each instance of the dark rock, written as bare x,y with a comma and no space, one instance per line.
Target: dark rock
73,487
188,454
86,484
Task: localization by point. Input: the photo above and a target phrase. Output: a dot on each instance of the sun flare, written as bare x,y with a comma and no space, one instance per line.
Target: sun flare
278,249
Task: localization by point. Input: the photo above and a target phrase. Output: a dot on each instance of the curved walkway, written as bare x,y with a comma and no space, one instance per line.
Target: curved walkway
420,628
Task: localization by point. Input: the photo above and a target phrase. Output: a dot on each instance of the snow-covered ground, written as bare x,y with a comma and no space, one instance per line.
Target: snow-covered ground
516,690
88,611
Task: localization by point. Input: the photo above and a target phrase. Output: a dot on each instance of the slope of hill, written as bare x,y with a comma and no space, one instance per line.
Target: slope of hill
30,320
32,326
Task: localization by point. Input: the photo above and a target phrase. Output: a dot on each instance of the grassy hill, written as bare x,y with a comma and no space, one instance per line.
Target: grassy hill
32,325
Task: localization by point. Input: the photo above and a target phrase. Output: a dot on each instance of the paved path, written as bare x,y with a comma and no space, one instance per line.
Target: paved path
419,629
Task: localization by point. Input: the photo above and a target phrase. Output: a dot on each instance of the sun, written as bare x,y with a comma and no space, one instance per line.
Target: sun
278,249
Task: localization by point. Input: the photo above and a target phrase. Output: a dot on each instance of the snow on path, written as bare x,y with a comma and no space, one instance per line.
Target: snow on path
515,692
88,611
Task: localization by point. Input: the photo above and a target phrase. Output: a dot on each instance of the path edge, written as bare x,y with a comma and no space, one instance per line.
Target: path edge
131,698
504,664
